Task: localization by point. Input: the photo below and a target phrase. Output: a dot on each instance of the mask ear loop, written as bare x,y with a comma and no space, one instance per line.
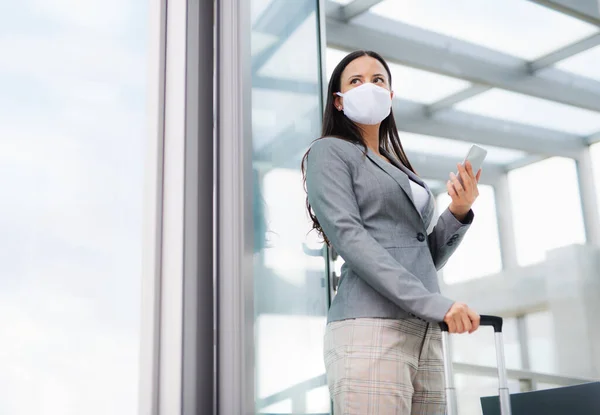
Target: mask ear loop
340,95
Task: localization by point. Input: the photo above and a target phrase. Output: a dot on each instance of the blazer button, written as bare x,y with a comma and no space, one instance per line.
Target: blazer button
450,243
454,237
420,237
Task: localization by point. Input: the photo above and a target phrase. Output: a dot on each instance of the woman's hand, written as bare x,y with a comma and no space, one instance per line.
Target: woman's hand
461,319
463,195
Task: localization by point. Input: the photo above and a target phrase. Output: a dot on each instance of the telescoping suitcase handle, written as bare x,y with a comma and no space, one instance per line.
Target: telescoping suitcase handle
503,394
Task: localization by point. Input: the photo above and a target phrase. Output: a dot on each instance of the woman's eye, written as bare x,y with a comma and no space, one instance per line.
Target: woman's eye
354,81
379,80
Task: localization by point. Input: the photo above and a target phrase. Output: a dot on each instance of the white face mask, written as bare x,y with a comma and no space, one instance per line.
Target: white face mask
367,104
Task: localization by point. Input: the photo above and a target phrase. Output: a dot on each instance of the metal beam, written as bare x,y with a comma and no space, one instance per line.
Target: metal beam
593,139
412,117
435,167
287,148
526,161
533,67
458,125
586,10
441,54
564,53
356,8
457,97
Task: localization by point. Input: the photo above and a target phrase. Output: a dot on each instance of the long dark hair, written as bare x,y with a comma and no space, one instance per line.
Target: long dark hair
336,124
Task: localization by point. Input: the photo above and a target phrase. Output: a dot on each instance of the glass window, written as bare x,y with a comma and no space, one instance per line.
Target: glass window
486,22
536,203
479,252
470,389
72,150
498,103
479,348
290,289
419,143
585,63
541,342
410,83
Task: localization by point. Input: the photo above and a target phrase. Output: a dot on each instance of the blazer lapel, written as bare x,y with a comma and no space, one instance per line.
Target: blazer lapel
401,179
427,213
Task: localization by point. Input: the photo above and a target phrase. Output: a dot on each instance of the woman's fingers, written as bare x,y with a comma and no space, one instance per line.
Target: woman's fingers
466,174
475,320
460,328
466,323
458,187
451,326
451,190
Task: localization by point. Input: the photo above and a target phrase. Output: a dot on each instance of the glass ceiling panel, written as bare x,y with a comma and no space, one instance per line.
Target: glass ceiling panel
517,27
524,109
585,63
409,83
419,144
343,2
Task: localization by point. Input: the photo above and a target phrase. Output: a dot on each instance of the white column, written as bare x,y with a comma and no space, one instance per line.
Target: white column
587,191
506,231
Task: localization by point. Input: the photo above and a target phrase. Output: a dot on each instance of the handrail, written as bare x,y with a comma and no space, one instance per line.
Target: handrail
462,368
293,390
519,374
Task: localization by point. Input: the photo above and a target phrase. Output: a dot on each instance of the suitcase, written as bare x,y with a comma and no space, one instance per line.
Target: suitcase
503,394
583,399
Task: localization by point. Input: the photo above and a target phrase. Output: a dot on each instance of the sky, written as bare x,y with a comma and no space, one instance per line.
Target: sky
72,129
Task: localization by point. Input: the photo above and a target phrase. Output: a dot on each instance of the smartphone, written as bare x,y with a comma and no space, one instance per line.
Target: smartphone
476,155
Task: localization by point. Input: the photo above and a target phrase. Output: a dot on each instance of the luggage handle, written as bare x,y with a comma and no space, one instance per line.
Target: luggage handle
503,393
494,321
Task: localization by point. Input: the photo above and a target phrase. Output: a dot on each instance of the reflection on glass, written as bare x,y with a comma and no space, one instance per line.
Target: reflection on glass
482,239
486,23
72,120
289,268
535,205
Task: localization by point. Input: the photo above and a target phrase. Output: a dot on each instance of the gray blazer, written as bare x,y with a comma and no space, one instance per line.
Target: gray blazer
366,210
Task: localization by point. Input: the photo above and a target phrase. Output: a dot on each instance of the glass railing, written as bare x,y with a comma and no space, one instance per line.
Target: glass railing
298,398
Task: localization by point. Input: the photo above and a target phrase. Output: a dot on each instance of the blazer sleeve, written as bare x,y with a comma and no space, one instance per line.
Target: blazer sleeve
446,236
331,195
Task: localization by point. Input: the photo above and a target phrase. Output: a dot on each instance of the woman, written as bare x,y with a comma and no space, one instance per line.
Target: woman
383,349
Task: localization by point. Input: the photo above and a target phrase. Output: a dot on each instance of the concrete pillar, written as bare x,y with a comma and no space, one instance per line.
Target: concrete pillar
587,191
506,232
573,292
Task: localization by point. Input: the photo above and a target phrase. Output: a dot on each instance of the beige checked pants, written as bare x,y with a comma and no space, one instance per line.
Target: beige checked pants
385,367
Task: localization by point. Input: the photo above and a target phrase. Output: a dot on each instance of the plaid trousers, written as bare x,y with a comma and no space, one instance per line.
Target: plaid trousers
385,367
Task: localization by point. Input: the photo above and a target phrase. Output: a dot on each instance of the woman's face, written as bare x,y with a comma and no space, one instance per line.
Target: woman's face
360,71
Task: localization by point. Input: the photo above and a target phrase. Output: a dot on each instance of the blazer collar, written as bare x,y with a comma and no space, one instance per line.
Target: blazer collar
401,175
